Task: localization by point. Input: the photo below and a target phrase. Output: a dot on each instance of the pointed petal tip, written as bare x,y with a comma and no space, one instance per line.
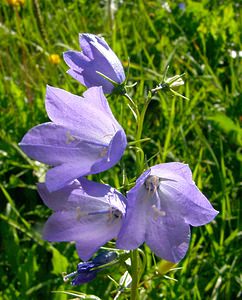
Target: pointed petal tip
50,91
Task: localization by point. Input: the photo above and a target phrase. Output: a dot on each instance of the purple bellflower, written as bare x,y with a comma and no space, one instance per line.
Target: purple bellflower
96,56
160,207
83,137
86,212
87,271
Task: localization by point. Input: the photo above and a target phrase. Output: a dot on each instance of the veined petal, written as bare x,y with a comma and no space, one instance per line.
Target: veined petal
53,144
132,233
90,231
75,59
83,196
94,189
194,207
89,213
59,176
74,197
57,146
97,237
163,203
172,171
90,78
77,75
96,56
116,70
168,237
103,191
57,200
114,153
70,225
89,117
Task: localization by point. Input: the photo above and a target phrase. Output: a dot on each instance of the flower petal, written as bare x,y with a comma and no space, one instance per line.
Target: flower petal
107,53
168,237
132,233
89,117
81,196
53,144
57,146
192,204
90,232
89,213
84,277
56,200
98,236
114,153
172,170
72,197
96,56
91,78
58,177
95,189
76,60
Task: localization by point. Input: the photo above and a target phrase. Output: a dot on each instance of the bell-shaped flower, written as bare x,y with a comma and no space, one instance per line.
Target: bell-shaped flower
96,56
160,207
83,137
89,213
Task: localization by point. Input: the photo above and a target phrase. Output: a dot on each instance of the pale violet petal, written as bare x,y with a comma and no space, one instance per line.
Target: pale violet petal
168,237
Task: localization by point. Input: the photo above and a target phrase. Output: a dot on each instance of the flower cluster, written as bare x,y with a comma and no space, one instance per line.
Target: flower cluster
83,138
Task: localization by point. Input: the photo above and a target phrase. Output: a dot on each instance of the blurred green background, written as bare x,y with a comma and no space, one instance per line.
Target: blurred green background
200,38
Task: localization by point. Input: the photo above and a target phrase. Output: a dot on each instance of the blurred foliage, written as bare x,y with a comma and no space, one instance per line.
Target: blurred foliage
196,37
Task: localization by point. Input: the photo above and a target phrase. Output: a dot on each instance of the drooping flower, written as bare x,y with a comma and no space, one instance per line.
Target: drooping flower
96,56
87,271
83,137
86,212
160,207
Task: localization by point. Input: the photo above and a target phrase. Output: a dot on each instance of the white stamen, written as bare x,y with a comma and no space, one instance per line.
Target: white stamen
80,214
158,213
69,138
103,152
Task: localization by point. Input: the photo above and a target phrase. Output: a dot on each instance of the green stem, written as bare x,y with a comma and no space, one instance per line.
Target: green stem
136,268
140,122
141,119
135,275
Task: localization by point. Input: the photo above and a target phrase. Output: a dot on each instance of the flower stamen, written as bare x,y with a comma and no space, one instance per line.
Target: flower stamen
69,138
152,183
158,213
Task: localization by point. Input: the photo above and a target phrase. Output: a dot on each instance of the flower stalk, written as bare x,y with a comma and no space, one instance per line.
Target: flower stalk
135,274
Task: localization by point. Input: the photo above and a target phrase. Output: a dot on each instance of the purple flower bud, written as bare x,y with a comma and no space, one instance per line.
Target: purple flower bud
87,271
160,207
104,257
96,56
84,277
83,137
89,213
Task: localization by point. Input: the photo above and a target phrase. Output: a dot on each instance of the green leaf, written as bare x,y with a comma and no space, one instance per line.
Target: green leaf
59,262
